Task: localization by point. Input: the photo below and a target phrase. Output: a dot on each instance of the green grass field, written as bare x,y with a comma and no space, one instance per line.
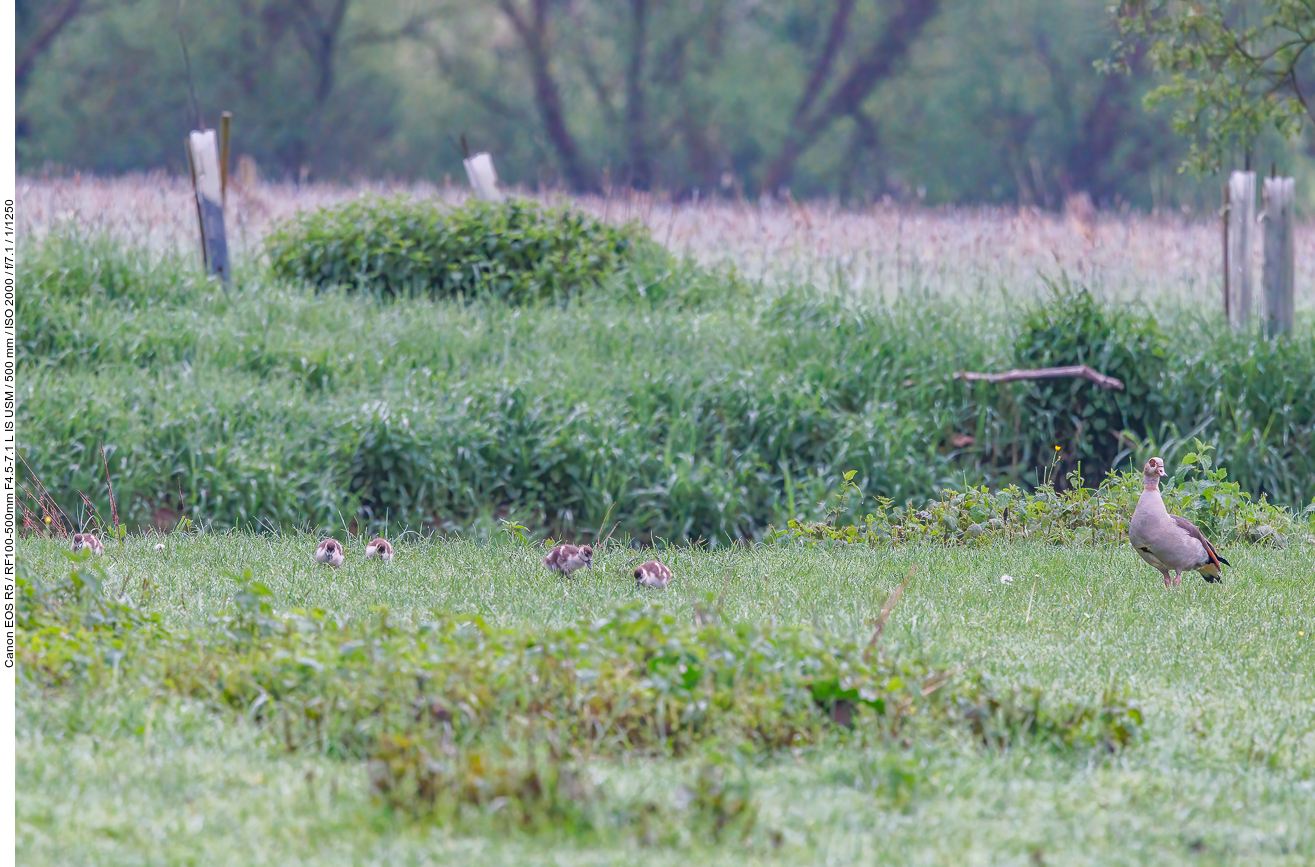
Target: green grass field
1222,770
226,700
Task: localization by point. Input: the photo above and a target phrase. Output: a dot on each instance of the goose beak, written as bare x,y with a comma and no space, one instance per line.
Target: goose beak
1163,472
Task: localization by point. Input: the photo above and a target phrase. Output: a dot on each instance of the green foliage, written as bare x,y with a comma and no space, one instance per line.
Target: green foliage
704,409
1234,69
979,516
536,789
1081,419
515,250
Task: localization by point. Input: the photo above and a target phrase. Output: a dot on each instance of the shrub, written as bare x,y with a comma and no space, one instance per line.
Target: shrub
1082,418
397,247
976,516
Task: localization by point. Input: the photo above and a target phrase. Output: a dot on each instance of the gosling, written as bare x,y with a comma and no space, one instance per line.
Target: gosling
87,541
653,575
568,558
381,549
330,553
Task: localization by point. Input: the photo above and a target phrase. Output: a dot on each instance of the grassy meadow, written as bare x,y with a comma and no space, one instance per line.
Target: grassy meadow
1034,696
120,768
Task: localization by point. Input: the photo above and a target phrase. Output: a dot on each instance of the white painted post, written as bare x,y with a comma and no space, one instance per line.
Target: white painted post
1241,217
203,156
483,178
1280,196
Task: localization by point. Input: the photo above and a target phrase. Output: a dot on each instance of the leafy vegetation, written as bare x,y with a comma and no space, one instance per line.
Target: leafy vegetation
456,715
1085,420
1234,69
977,516
636,681
402,247
684,401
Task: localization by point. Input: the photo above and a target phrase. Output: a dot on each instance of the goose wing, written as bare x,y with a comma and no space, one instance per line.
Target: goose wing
1200,537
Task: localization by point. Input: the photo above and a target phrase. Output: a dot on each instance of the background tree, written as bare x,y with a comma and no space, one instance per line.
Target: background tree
948,100
38,23
1234,69
831,92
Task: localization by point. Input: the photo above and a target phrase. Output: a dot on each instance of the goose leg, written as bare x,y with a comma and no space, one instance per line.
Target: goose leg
1167,580
1177,577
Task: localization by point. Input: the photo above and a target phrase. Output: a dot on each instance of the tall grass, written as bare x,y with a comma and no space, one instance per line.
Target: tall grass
882,250
685,401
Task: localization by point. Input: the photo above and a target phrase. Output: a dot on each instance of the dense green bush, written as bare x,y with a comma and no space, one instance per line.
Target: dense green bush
1084,419
394,247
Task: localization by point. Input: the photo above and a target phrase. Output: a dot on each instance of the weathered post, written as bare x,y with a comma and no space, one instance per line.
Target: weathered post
1241,217
225,136
203,157
483,179
1280,195
1223,213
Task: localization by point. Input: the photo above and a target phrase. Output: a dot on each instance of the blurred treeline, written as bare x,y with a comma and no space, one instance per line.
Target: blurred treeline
943,100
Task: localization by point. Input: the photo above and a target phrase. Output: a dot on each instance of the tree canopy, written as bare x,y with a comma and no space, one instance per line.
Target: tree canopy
1234,69
944,100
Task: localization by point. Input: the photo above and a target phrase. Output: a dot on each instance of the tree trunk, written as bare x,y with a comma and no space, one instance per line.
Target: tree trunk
547,97
641,171
64,15
905,24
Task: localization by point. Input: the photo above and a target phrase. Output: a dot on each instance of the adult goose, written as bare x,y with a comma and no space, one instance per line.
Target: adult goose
1168,542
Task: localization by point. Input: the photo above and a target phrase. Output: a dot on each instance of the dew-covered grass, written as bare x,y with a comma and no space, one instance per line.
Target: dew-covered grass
1222,771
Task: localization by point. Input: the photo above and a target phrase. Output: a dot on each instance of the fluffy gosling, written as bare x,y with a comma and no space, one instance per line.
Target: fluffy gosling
83,541
329,553
653,574
379,548
567,558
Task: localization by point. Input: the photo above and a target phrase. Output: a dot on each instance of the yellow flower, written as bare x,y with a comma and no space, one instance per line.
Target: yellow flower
1056,448
47,519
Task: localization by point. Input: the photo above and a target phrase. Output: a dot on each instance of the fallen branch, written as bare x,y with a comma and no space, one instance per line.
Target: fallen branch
1080,371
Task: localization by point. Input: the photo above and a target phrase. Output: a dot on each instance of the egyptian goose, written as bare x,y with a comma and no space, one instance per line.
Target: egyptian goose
330,553
84,541
653,574
1168,542
381,549
567,558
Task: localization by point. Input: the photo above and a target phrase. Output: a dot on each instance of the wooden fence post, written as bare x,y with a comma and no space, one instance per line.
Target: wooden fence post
225,136
1241,217
483,179
203,157
1223,212
1280,195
